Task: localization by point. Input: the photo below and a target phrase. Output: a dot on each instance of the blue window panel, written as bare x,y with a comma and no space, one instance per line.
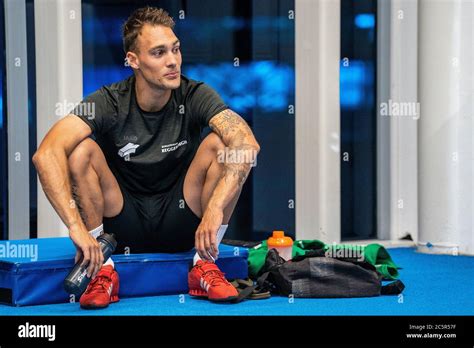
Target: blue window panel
1,103
365,21
357,84
261,84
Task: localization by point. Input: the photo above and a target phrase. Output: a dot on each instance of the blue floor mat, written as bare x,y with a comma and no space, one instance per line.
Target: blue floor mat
435,285
38,279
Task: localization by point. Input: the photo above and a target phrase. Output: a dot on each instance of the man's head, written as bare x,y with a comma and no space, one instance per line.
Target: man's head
151,47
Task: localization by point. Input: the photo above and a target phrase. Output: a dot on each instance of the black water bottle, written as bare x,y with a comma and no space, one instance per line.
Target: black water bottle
77,280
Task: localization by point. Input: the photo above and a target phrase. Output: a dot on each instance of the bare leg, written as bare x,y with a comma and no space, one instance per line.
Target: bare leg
95,188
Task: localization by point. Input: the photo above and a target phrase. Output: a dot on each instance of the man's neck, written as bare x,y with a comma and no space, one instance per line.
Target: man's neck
150,99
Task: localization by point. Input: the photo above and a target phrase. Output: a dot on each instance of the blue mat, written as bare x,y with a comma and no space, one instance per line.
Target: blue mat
32,271
435,285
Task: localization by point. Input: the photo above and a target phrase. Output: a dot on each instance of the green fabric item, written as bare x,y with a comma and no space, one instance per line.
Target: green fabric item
375,254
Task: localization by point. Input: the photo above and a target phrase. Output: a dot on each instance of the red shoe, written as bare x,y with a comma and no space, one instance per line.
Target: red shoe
102,290
206,280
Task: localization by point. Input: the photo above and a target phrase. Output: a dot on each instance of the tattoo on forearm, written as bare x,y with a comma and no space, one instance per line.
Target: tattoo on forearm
236,171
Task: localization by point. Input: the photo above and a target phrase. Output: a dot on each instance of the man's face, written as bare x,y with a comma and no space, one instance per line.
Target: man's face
159,57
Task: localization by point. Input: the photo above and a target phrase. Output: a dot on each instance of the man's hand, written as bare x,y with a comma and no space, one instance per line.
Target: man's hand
88,249
206,234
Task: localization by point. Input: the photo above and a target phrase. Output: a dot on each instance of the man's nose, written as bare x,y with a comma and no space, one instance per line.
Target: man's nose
171,60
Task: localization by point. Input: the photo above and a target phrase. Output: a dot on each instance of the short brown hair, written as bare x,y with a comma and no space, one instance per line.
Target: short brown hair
136,21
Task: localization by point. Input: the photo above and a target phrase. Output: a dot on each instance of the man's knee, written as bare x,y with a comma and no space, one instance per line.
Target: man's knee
80,158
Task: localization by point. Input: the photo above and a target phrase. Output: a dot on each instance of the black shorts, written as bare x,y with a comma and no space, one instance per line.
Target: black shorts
153,224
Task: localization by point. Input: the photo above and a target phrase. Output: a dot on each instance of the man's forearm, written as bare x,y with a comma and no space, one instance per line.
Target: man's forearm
53,173
242,148
234,175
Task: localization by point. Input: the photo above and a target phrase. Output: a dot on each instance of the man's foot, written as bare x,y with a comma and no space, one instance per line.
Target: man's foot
206,280
102,290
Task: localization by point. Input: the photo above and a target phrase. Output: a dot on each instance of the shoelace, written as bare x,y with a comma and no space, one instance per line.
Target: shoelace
215,277
99,283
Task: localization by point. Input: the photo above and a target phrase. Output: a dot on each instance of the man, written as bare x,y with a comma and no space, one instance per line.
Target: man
147,177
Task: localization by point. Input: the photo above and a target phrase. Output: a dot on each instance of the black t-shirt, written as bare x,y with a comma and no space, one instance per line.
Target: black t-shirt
148,151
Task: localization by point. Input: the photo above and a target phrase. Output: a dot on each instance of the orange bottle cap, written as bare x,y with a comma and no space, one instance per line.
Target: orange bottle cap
279,240
278,234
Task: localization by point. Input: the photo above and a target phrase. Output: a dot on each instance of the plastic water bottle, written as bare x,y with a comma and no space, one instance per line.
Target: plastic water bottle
283,244
77,280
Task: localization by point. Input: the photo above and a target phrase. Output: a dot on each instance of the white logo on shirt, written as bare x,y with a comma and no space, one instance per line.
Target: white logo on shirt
127,150
172,147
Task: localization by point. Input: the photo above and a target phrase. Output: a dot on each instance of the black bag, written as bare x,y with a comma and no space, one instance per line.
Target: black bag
315,275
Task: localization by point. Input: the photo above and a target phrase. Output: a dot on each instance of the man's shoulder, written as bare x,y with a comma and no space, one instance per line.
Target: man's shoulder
116,93
188,85
120,87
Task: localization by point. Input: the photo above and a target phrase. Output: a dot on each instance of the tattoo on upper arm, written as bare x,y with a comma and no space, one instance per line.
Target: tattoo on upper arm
229,124
234,131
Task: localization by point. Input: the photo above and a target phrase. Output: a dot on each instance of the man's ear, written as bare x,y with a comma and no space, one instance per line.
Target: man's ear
132,60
